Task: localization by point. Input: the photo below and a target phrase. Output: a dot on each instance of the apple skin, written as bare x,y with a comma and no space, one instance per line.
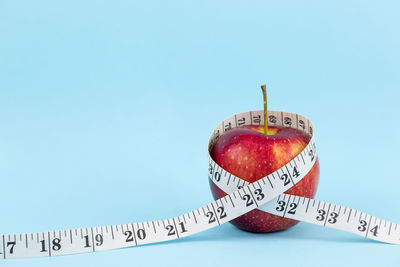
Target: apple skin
249,154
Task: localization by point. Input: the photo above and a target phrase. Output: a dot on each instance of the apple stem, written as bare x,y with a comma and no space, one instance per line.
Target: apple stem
264,90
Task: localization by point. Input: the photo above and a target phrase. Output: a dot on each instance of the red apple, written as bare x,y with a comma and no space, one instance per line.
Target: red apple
250,154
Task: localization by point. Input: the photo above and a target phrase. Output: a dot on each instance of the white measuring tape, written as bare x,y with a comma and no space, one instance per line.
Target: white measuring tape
265,194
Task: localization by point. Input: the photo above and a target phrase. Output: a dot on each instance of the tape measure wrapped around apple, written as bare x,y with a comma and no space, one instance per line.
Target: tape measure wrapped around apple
246,150
255,150
256,172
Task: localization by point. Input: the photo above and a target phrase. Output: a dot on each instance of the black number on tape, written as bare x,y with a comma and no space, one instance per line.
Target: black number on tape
210,169
12,244
141,234
217,176
321,215
43,246
216,135
129,236
293,207
248,200
221,211
87,245
259,194
362,226
170,229
228,126
301,124
288,120
183,229
56,244
211,217
333,217
296,173
257,119
311,154
99,240
285,179
374,230
281,206
272,118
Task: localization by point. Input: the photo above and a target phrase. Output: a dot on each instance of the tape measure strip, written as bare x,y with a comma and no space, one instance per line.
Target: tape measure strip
236,203
325,214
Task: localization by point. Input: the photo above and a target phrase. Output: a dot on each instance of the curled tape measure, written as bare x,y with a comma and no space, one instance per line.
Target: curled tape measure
265,194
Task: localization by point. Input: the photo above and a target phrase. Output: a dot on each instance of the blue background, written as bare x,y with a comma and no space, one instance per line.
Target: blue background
100,101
